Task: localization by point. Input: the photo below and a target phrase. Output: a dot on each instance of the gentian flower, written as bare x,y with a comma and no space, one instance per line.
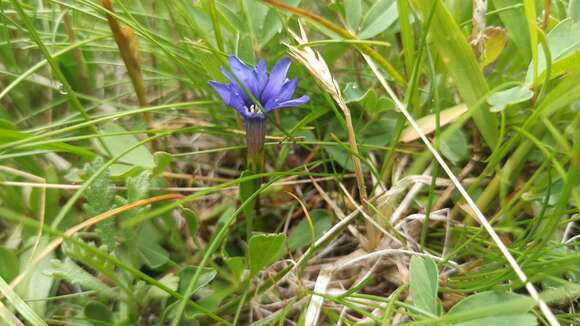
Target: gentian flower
253,93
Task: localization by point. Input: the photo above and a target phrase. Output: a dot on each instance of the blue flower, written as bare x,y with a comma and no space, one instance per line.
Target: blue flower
272,91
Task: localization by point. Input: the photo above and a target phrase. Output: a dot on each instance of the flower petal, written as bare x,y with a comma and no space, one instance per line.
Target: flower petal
288,89
276,80
244,74
285,94
229,96
261,75
234,85
275,104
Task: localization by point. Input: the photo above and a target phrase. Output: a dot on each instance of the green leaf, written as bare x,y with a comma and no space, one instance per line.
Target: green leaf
162,161
514,310
300,235
139,157
424,279
36,284
574,10
76,275
380,17
564,44
353,93
257,12
86,257
459,59
202,21
236,266
191,220
455,147
353,13
138,186
515,21
100,195
8,264
264,249
501,99
170,280
152,253
98,314
186,275
340,156
378,131
272,26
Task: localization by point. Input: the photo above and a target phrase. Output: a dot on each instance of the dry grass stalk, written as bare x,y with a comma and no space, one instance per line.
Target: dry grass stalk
8,316
339,213
478,31
318,68
428,122
408,199
129,50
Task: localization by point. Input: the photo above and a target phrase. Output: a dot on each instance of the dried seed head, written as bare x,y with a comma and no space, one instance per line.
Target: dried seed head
315,64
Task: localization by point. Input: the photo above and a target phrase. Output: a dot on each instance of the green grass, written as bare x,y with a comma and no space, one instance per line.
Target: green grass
125,197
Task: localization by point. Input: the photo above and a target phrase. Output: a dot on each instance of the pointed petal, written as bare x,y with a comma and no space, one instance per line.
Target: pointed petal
285,94
234,85
229,96
261,75
244,74
223,91
287,90
276,80
274,104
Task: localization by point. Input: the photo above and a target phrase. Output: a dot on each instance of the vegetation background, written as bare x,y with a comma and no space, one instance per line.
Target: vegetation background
123,196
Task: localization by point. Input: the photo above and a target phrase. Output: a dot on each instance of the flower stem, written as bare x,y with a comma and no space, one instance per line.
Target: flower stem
255,136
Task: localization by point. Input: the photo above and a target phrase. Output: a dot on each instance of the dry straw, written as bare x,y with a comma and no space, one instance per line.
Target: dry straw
318,68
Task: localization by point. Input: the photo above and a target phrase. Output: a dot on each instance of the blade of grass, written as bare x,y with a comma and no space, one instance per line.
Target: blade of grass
216,24
20,305
462,65
407,34
530,8
71,94
41,63
108,117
